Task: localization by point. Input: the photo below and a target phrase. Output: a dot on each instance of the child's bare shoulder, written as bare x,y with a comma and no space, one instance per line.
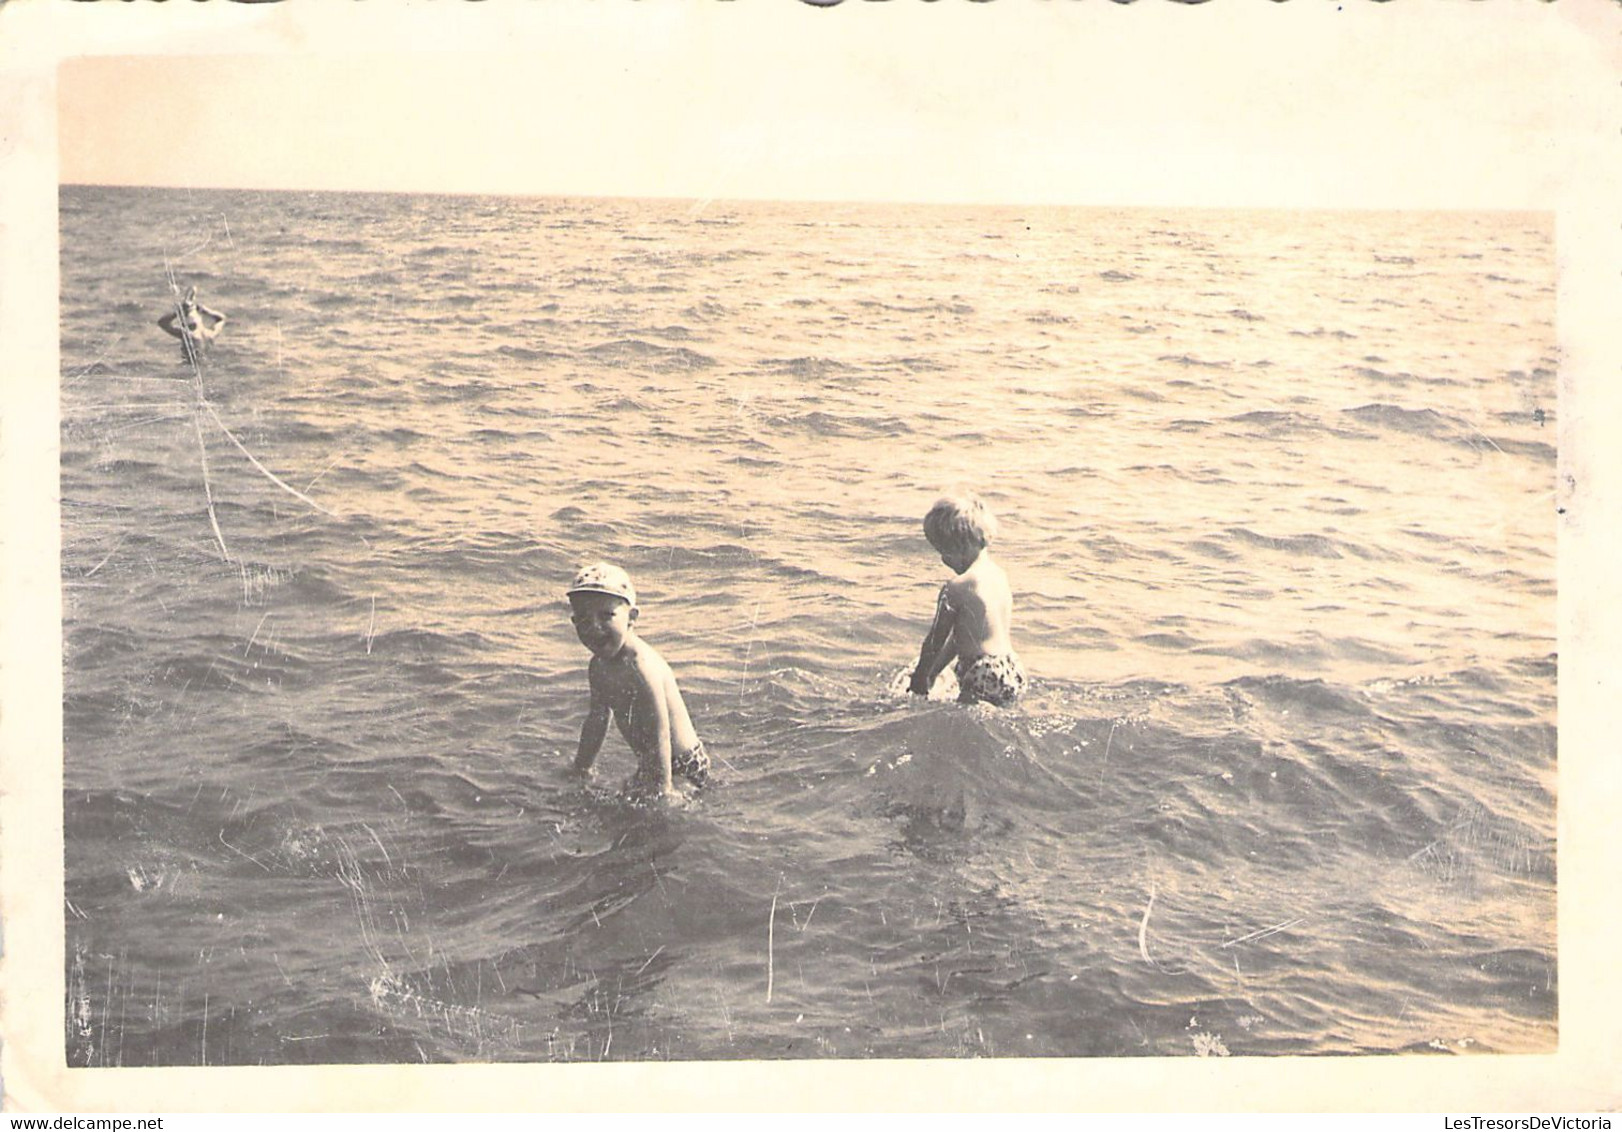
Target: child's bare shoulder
985,581
954,592
985,574
647,663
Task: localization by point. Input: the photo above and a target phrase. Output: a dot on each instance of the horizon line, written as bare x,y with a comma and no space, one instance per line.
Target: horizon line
832,201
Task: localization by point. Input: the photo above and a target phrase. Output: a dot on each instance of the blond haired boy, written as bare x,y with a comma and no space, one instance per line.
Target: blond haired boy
975,610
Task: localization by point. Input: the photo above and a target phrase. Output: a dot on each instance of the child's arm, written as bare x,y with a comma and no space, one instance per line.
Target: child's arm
595,726
219,319
940,646
168,324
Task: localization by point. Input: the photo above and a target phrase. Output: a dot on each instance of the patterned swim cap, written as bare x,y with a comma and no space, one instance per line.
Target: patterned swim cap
603,578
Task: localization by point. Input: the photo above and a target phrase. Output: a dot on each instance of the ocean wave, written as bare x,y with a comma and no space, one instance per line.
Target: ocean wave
511,436
1286,691
254,667
435,251
969,765
399,434
1369,373
1308,545
1211,548
956,307
128,467
1174,641
821,423
1532,449
1276,423
1425,422
808,367
529,353
658,357
1189,361
707,310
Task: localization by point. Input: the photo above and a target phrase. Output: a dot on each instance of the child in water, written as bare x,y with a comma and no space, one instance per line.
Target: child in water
194,324
974,610
633,683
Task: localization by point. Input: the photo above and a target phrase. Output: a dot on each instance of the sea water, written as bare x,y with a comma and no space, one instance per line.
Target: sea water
1276,495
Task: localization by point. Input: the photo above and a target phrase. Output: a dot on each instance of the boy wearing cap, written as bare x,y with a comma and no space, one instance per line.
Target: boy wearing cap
631,682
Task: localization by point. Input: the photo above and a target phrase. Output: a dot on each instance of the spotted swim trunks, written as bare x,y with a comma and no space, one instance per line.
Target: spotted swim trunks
991,678
692,765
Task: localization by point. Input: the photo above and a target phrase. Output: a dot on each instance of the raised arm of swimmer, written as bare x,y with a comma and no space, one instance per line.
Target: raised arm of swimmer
219,319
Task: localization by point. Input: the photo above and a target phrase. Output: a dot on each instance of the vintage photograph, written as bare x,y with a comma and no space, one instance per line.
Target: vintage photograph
555,576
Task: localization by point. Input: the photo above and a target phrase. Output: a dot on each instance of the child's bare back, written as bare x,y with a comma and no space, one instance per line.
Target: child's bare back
985,608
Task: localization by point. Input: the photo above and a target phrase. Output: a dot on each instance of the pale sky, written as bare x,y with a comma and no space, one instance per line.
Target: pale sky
1443,105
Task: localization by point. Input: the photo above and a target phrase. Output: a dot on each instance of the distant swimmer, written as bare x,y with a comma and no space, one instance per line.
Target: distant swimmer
194,324
974,610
